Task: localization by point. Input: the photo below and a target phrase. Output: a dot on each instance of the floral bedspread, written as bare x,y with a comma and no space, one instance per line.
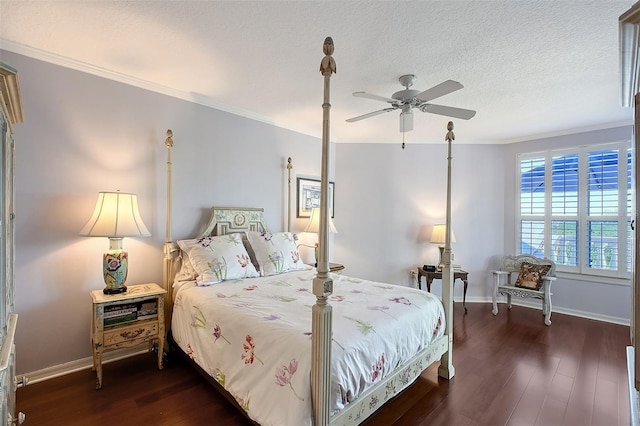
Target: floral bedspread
254,337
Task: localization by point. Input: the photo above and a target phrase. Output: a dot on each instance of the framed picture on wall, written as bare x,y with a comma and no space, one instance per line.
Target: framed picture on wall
308,191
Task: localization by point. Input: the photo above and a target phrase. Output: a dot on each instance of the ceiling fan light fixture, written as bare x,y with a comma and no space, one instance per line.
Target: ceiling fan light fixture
406,121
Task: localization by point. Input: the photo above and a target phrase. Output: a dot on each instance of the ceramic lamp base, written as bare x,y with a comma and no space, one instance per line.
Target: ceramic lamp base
115,267
441,262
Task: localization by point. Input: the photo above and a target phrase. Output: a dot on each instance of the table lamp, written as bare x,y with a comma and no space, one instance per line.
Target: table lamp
438,236
314,226
116,216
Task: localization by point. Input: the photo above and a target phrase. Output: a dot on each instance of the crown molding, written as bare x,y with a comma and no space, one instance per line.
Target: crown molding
126,79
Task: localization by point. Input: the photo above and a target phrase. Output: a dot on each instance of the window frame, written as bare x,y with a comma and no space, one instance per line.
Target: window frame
624,216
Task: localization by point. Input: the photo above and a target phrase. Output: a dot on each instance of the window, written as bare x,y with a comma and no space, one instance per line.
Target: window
574,207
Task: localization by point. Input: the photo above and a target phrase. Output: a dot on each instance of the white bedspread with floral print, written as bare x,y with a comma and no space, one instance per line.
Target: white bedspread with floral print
254,337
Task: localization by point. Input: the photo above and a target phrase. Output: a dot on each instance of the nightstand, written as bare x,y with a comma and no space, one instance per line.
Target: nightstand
126,320
335,267
458,274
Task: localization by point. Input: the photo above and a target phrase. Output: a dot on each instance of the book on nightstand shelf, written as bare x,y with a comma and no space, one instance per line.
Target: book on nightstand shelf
119,310
120,319
148,309
117,314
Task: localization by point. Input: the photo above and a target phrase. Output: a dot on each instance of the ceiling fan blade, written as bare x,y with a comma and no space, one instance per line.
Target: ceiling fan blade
406,122
441,89
370,114
464,114
374,97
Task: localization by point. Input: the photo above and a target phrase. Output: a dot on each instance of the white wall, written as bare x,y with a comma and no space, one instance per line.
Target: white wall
390,198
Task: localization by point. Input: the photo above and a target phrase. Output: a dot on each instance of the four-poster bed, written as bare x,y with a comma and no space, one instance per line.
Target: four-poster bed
362,344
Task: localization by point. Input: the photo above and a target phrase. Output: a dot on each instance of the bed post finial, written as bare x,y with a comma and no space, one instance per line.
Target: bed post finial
450,135
328,64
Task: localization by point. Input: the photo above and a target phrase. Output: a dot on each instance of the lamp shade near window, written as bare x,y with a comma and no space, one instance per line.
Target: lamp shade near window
439,236
115,216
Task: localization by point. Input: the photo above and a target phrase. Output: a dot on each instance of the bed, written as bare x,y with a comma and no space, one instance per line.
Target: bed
288,343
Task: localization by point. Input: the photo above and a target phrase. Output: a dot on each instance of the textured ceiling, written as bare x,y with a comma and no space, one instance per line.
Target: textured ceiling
530,68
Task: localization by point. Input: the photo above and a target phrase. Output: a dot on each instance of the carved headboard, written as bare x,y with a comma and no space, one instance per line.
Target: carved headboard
227,220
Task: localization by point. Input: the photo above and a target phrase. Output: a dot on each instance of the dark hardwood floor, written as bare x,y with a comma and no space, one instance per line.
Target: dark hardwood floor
510,370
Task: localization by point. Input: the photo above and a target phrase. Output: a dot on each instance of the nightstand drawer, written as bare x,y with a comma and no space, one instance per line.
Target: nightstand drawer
133,332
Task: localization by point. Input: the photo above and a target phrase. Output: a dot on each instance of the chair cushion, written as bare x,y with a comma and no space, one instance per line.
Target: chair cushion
531,275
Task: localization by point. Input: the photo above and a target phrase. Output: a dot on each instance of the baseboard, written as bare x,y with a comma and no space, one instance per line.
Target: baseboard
555,309
78,365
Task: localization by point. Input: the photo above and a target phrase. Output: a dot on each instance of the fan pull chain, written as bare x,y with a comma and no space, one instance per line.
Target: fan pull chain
403,140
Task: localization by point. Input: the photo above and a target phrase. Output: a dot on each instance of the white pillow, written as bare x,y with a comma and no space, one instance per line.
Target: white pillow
216,259
186,272
276,253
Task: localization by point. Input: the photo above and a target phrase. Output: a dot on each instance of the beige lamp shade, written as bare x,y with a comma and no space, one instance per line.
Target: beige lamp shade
314,223
439,234
116,215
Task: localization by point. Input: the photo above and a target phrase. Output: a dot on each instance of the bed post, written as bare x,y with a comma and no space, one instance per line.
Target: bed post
446,369
289,167
169,247
322,284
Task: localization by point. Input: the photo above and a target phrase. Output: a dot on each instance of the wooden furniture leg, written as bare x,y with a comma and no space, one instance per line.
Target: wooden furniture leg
464,295
429,281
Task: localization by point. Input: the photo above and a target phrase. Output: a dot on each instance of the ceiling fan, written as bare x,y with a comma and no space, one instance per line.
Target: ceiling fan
409,99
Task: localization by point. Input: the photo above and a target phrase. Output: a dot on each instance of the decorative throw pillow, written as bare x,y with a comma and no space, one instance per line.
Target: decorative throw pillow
276,253
531,275
220,258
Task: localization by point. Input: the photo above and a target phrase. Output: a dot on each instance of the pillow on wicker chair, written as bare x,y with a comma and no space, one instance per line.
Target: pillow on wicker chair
531,275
